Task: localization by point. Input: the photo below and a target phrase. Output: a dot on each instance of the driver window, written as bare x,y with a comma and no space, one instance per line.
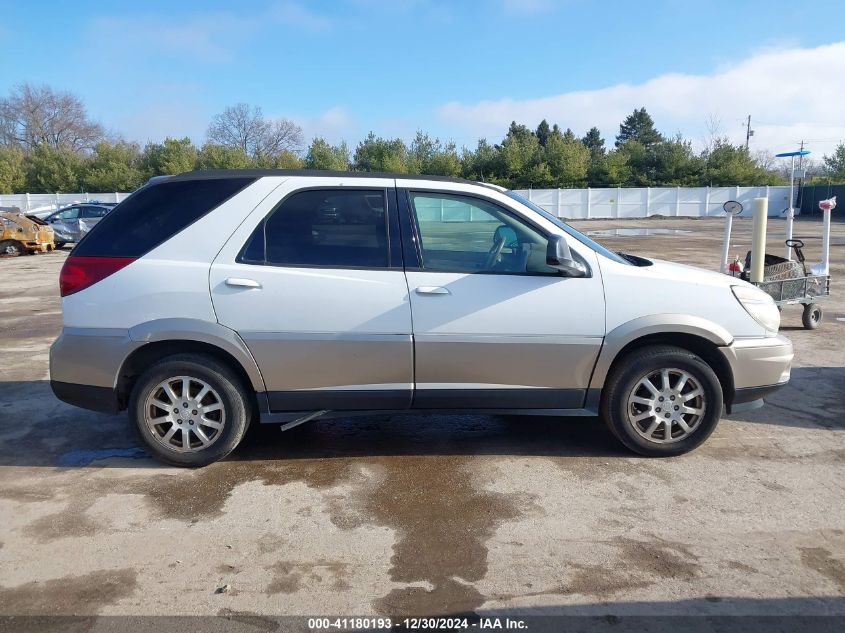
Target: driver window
466,234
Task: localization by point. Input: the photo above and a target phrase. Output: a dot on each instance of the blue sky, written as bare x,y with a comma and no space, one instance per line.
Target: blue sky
460,69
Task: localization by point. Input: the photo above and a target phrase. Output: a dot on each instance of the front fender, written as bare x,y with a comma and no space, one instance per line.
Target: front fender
616,340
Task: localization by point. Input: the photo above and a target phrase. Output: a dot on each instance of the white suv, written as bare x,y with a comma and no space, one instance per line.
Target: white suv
207,300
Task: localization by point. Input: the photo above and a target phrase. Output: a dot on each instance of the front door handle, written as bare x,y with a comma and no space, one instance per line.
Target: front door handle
239,282
432,290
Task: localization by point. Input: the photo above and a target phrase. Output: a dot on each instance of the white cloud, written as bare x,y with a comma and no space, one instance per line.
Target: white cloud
790,93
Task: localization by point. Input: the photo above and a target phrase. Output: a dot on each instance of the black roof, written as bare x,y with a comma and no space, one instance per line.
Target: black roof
315,173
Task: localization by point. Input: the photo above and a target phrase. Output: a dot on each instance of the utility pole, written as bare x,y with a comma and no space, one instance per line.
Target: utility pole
748,132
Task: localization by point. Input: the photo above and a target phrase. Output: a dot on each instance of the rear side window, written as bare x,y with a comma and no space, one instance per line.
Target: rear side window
326,227
154,214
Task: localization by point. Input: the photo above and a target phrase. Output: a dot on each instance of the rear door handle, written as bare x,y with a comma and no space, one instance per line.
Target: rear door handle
239,282
432,290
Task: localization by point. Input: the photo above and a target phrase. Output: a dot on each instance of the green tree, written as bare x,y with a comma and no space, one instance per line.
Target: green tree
593,141
322,155
51,169
283,160
728,164
113,167
672,162
216,156
638,126
378,154
432,157
567,159
543,132
616,168
638,161
12,170
610,170
172,156
482,164
519,153
834,165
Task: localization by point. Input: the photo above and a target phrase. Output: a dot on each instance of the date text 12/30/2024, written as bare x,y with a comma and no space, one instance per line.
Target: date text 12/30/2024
416,624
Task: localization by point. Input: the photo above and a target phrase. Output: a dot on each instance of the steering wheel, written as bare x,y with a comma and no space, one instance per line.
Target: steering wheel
495,251
795,243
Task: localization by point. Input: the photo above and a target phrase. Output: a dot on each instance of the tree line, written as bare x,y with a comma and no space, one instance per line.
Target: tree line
48,143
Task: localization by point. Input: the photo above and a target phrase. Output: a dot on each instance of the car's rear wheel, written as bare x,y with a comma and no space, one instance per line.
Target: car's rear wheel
662,400
189,410
11,248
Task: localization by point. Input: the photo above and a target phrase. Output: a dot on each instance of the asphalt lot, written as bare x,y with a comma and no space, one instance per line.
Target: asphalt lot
431,514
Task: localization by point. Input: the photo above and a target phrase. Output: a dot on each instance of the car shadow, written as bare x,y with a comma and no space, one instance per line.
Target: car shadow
36,429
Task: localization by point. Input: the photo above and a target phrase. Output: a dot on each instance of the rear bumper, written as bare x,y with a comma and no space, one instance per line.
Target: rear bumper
85,365
759,366
103,399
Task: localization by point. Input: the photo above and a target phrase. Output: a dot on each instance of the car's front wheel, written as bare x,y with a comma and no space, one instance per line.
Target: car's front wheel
189,410
662,400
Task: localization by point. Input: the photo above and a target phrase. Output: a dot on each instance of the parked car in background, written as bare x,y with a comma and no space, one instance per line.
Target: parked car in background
210,299
72,223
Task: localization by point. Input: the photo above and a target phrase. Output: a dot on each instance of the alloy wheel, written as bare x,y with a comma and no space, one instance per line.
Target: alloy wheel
184,414
666,405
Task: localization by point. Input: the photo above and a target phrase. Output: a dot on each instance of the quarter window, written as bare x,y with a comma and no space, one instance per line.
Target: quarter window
465,234
332,228
154,214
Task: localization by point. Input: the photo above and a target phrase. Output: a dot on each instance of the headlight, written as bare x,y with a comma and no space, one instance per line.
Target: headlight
759,305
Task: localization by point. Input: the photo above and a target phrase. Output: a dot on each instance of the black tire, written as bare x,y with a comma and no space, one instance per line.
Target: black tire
11,248
60,245
812,316
622,383
233,396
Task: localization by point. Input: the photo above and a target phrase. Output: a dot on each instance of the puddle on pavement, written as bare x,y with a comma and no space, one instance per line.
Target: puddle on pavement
636,232
87,457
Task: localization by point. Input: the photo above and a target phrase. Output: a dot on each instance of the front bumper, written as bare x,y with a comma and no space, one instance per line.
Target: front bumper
759,366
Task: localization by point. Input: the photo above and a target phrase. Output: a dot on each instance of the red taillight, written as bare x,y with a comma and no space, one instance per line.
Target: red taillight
80,272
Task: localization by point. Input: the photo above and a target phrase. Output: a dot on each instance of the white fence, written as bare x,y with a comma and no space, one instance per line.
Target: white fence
642,202
574,204
44,201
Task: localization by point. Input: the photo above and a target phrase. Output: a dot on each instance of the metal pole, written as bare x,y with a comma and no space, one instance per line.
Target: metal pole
790,212
747,132
723,265
826,243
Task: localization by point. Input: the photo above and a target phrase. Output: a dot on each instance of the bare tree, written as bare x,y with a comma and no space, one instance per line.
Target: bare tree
765,159
245,127
715,133
39,115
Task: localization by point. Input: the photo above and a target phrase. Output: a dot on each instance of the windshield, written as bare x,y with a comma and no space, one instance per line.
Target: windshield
586,241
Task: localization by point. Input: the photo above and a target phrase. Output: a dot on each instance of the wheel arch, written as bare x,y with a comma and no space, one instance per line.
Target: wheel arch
696,335
166,337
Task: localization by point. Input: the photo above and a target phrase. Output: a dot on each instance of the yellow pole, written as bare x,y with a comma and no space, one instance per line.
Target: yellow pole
758,239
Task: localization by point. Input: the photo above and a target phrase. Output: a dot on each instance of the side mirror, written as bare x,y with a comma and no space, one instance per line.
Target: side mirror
559,256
